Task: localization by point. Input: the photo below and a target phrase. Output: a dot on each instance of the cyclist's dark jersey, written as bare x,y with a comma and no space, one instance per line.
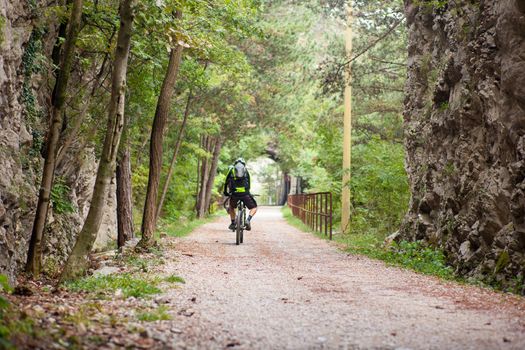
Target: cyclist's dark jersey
237,186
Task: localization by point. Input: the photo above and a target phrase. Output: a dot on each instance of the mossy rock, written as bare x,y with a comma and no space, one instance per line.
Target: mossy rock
503,261
2,25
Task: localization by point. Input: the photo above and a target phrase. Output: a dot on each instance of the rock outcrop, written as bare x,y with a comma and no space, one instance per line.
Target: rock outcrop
465,134
24,98
17,187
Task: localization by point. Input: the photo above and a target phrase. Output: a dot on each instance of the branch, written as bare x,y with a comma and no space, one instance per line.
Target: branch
377,59
374,43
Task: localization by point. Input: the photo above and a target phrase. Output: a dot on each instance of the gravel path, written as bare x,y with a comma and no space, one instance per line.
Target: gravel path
285,289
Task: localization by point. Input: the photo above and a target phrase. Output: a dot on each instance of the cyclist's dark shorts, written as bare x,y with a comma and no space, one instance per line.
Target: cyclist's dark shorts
248,200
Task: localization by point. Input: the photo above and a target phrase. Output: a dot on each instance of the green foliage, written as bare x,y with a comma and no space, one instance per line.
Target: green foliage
449,169
429,5
5,311
105,286
60,197
181,227
4,284
32,4
32,63
292,220
444,106
503,260
6,288
379,187
2,25
413,255
517,285
144,263
419,257
158,314
299,93
13,323
416,256
175,279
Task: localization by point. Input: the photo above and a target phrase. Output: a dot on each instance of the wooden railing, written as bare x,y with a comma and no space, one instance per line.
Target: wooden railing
314,210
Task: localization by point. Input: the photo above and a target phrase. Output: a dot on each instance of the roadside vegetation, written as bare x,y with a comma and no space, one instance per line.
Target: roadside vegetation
417,256
76,314
412,255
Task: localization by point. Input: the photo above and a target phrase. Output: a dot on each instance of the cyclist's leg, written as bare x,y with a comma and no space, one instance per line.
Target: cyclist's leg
251,204
233,204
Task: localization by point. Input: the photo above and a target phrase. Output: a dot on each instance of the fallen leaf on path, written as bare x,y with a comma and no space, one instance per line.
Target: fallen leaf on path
187,313
233,343
144,343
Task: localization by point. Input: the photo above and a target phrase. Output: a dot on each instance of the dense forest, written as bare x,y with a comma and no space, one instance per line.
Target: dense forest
120,119
205,83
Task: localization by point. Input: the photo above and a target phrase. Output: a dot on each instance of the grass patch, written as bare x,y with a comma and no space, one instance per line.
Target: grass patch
295,222
175,279
413,255
103,286
15,326
143,263
181,228
158,314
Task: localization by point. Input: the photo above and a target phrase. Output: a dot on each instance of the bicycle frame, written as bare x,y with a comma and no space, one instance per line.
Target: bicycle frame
240,218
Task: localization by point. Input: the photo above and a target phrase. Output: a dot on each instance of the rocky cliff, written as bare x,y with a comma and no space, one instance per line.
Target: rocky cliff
26,44
465,134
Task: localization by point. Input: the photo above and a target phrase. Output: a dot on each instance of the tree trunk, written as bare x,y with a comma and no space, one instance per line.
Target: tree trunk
34,256
204,178
77,261
198,184
155,159
175,154
200,164
124,198
285,188
213,172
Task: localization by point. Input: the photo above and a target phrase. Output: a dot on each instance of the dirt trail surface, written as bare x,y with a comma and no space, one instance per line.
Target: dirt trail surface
285,289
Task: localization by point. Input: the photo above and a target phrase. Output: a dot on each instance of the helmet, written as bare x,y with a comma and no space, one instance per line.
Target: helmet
240,160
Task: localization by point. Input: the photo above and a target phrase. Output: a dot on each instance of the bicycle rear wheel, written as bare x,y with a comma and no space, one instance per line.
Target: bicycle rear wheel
238,227
243,222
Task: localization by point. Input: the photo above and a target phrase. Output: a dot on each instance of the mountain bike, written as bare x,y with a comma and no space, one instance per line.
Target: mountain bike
240,219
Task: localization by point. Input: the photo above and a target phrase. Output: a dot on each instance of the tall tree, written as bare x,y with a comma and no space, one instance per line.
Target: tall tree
213,171
205,174
124,197
77,261
175,154
34,256
149,219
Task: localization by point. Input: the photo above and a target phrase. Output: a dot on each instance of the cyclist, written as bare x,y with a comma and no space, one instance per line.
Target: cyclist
237,187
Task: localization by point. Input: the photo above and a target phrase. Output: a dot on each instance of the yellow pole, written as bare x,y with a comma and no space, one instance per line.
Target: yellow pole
347,128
